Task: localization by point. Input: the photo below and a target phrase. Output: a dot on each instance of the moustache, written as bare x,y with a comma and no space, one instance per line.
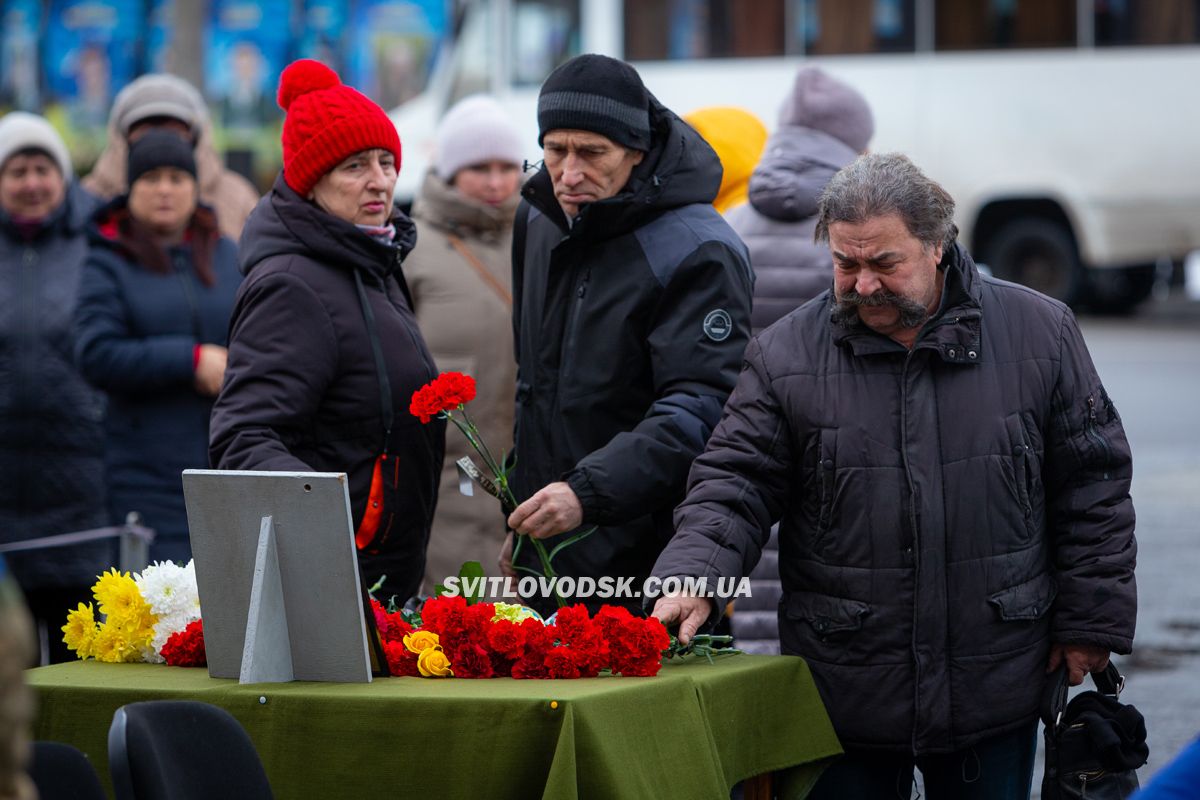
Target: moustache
912,313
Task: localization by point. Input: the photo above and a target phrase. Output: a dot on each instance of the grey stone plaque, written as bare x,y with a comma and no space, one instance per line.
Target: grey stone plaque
277,572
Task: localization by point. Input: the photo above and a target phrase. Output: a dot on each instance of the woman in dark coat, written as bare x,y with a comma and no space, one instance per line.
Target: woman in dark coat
324,351
51,437
151,329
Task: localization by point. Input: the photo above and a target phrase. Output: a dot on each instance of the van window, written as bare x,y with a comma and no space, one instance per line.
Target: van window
1129,22
680,29
835,27
676,29
545,33
999,24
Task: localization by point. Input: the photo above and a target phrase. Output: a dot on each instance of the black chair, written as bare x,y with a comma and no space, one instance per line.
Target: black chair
182,750
62,772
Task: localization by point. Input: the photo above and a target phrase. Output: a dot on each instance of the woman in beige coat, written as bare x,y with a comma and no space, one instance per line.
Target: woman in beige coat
460,275
166,101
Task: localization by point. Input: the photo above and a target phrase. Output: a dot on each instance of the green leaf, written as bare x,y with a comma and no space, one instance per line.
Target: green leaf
471,570
378,585
439,590
576,538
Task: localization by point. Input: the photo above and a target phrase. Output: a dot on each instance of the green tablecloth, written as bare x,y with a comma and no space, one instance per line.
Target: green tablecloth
690,733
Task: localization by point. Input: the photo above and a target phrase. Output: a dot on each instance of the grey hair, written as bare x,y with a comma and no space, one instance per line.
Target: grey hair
878,184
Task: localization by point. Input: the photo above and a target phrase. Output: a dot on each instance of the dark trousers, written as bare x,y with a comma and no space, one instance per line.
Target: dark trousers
999,768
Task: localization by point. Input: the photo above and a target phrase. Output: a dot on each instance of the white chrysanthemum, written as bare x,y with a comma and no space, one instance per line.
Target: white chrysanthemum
171,592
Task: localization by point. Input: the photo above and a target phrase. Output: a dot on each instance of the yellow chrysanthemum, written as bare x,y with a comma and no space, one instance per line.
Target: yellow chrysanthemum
138,627
110,644
112,590
80,630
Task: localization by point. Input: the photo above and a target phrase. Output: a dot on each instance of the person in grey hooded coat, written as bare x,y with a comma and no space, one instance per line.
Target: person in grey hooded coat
823,125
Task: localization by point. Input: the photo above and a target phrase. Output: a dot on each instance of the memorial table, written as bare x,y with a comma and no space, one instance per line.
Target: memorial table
690,733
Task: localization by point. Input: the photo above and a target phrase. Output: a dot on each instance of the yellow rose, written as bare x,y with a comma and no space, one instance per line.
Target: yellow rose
420,641
432,663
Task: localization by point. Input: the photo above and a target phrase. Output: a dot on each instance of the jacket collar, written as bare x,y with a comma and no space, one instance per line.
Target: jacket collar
954,332
679,169
442,206
283,223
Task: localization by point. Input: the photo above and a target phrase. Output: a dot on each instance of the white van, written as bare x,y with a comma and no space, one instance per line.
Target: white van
1064,129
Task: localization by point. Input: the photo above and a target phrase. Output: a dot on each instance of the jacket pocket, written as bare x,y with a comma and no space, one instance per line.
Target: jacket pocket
1026,601
826,615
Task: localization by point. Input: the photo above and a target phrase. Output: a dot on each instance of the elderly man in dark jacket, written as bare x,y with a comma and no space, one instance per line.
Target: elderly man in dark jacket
952,482
631,313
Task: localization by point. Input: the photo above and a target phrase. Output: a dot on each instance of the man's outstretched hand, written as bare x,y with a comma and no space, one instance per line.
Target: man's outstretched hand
689,612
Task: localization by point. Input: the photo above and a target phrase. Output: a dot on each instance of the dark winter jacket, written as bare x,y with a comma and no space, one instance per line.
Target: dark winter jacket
947,512
777,224
630,325
302,392
136,331
51,431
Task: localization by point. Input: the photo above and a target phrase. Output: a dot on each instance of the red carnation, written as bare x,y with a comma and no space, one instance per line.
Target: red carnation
507,638
185,648
562,662
397,627
443,615
531,665
445,393
401,662
470,661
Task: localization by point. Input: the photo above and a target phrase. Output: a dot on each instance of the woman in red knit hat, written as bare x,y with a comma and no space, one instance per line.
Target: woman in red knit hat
324,350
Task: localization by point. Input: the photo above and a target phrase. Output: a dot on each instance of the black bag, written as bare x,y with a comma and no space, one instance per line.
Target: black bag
1095,743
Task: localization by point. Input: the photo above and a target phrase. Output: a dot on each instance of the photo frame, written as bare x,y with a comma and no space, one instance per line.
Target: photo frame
277,571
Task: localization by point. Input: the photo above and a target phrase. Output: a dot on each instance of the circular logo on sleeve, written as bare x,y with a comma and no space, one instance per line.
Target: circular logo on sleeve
718,325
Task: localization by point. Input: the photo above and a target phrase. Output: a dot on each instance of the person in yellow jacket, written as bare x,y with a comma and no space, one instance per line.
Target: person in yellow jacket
460,275
739,138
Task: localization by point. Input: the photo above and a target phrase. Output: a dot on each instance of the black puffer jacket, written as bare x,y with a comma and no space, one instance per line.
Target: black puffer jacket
51,419
947,512
301,389
630,326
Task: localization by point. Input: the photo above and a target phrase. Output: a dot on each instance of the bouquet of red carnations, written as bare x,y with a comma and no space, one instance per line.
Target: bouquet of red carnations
450,638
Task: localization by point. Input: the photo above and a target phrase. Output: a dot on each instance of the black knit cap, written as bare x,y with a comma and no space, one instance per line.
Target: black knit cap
598,94
160,148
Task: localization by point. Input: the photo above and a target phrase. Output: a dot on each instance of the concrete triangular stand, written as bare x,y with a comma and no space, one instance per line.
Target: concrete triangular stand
267,654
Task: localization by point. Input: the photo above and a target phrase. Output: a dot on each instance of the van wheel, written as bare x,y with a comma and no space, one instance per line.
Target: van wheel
1039,254
1120,290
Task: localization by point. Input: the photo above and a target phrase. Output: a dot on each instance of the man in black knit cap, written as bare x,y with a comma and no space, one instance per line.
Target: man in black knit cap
631,309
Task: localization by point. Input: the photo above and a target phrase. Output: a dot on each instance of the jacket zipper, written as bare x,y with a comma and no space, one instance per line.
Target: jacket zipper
1090,429
28,301
912,521
573,319
190,293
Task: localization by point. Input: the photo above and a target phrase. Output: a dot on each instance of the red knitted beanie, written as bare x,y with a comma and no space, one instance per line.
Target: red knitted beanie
326,123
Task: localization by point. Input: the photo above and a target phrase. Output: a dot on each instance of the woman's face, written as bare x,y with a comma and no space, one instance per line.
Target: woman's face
31,186
163,199
359,190
490,182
